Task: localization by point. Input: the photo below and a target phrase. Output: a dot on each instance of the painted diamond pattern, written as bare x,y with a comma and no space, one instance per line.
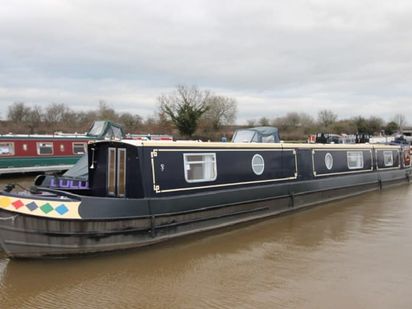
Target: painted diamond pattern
17,204
4,201
46,208
32,206
62,209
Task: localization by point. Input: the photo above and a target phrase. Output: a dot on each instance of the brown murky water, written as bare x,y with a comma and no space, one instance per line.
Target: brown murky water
355,253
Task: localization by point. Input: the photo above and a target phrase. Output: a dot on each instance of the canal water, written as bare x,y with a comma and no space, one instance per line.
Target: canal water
355,253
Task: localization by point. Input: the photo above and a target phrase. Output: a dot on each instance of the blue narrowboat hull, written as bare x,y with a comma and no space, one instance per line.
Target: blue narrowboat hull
140,194
144,222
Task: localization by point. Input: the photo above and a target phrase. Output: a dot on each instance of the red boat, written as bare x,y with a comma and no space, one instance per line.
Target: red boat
55,152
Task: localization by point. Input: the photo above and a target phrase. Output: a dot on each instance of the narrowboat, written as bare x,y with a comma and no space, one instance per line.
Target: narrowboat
56,152
145,192
21,153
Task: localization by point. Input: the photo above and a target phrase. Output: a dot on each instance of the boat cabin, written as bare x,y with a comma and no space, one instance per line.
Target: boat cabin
139,169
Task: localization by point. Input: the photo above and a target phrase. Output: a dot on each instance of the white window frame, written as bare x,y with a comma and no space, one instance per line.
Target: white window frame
39,145
258,165
121,181
388,154
204,162
111,171
10,146
329,161
359,159
78,143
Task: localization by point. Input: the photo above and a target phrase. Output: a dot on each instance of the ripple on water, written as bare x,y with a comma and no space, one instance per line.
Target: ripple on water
354,253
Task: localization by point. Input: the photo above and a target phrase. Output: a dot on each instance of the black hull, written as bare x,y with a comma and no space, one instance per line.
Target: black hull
26,236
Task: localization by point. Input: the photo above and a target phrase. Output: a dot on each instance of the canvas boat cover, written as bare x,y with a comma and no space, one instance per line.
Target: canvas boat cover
257,135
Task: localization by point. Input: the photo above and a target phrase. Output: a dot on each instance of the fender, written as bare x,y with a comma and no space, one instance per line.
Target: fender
407,157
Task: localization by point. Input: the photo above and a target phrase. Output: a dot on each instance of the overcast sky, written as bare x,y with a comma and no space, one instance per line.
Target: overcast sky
352,57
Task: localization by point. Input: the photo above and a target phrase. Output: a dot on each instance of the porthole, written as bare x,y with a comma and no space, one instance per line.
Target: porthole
328,161
258,164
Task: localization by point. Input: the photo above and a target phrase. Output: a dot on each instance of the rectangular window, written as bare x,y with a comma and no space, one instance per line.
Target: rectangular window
111,172
388,158
6,149
200,167
355,159
79,148
244,136
45,148
121,172
268,139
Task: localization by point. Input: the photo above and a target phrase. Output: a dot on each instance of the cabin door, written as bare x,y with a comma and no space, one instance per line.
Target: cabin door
116,172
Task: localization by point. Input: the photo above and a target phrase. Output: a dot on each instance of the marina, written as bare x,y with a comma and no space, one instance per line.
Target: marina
205,154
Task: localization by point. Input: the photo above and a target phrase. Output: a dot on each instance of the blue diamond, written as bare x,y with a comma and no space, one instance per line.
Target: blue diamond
62,209
32,206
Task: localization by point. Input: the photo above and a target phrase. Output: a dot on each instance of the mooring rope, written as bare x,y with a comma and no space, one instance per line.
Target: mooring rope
12,218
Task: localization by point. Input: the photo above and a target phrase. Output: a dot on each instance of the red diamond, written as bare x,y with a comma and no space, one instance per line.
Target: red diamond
17,204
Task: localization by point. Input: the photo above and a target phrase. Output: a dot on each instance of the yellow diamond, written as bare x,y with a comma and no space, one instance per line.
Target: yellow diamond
4,201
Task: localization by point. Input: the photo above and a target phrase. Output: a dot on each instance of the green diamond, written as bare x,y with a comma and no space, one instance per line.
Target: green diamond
46,208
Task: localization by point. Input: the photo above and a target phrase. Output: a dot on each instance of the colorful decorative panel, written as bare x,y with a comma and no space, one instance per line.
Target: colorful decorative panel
44,208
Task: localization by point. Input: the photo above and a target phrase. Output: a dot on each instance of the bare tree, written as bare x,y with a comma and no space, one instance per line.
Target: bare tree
221,111
18,112
184,107
292,121
163,124
264,121
105,112
326,118
25,116
130,123
34,119
56,115
306,120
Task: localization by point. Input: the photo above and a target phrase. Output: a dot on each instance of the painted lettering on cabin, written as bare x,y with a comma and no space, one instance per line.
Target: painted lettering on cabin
69,184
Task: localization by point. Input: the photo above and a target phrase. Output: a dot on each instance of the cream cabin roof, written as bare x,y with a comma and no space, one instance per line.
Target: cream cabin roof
229,145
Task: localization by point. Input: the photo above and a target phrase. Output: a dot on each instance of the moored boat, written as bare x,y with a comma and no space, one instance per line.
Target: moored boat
21,153
143,192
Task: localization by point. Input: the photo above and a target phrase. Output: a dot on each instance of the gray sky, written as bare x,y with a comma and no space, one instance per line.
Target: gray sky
352,57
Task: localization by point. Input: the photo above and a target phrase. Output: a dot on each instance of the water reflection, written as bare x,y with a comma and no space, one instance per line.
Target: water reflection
353,253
